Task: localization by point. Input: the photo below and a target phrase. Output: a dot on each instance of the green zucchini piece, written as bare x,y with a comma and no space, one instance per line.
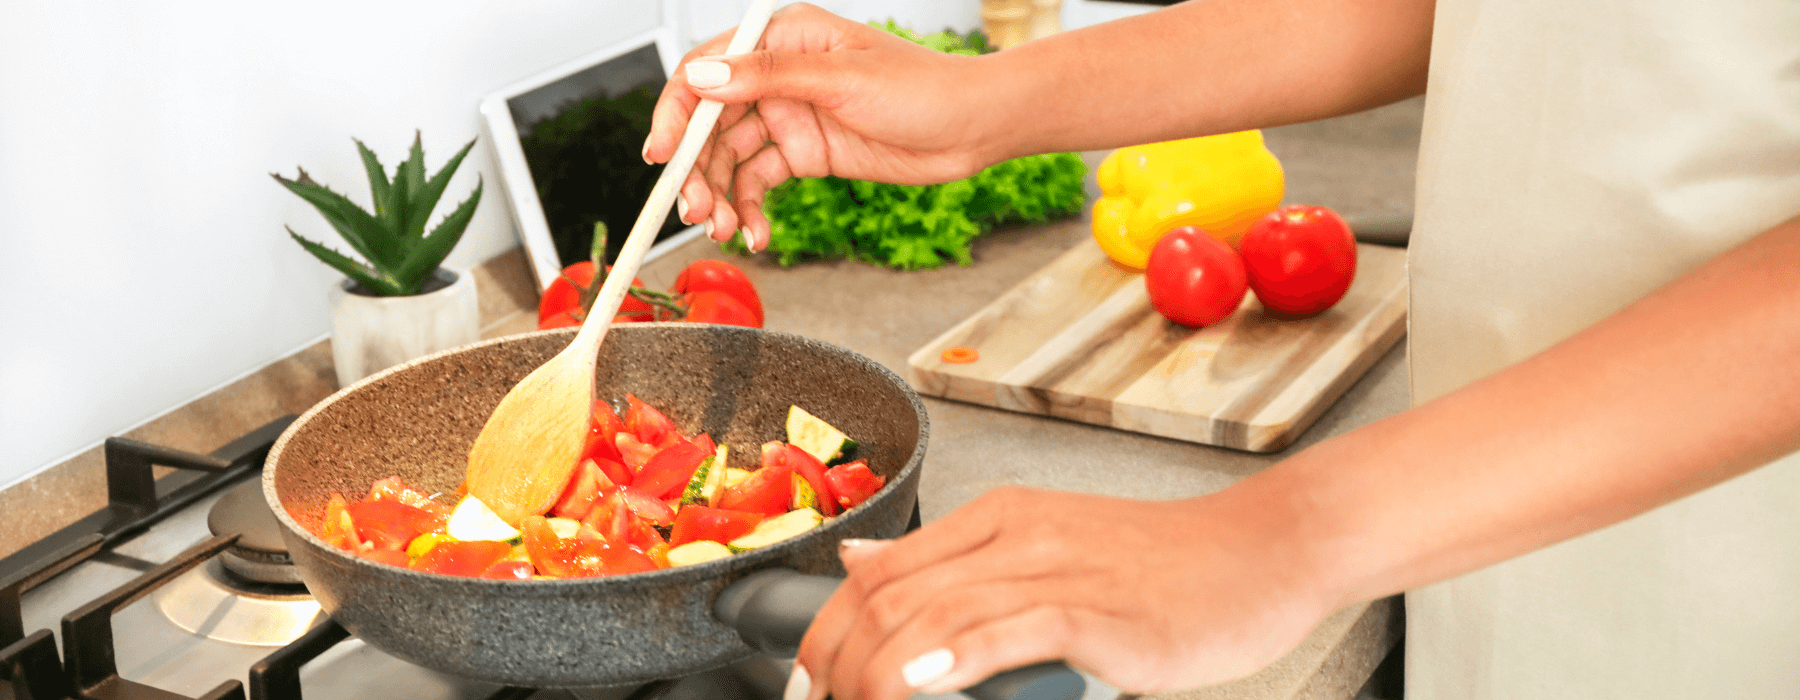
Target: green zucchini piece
708,481
697,552
818,438
804,495
778,528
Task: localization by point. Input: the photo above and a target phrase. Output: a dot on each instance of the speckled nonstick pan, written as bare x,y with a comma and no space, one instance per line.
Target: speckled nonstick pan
418,420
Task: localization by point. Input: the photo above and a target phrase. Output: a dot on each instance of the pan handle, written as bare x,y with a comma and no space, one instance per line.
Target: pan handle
772,609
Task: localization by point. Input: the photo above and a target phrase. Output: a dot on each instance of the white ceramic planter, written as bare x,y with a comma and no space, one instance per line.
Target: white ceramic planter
371,333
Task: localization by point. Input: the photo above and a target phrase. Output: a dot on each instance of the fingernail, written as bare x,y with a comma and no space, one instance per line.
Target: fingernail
647,151
681,208
930,666
799,684
709,228
708,74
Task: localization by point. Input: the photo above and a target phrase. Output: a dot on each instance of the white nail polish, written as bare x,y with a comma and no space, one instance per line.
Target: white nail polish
708,228
708,74
799,684
930,666
647,151
681,208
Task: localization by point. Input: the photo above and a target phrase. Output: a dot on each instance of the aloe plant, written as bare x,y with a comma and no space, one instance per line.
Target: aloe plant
400,255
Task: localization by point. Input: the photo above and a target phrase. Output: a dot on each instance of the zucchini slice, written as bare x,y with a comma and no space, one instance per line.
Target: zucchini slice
778,528
825,443
708,481
697,552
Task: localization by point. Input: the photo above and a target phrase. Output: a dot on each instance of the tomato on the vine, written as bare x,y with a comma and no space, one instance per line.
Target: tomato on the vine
1193,278
717,307
1300,259
562,303
723,277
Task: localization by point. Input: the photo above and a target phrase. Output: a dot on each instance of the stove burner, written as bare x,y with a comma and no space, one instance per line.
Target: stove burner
260,554
213,602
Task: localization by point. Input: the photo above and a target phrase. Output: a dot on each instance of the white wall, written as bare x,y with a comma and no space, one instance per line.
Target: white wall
142,256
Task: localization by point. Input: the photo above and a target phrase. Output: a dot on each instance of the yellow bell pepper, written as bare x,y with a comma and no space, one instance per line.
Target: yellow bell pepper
1220,184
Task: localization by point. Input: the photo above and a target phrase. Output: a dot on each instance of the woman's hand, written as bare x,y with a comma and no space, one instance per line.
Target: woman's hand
824,96
1148,596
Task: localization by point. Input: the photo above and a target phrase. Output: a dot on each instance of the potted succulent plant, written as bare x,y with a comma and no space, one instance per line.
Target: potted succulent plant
399,302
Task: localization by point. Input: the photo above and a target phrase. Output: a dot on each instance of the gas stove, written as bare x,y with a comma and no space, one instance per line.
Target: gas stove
182,588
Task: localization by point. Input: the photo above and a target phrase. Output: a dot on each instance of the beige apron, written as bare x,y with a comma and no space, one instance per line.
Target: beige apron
1576,155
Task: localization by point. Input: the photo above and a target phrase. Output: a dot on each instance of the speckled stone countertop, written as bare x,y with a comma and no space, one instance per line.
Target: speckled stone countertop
1361,164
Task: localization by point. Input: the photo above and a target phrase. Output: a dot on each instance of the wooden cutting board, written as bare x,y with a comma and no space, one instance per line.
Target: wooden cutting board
1079,340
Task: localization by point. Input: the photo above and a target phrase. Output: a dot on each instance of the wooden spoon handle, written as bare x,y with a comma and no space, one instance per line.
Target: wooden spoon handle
662,195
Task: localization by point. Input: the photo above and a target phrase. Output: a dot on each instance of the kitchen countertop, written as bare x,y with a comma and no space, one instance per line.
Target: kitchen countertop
1361,164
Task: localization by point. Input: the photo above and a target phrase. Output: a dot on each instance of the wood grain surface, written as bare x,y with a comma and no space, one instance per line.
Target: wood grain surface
1079,340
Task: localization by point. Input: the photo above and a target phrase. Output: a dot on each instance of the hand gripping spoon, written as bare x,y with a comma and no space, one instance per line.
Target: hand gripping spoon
526,452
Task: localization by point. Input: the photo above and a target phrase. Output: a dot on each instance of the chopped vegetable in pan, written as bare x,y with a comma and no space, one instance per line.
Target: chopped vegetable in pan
643,497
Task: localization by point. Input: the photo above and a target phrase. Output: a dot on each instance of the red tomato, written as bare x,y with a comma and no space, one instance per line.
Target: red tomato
457,558
852,483
767,491
393,489
602,558
391,524
717,524
808,467
716,307
550,555
509,571
392,557
338,529
585,485
705,443
721,276
670,470
634,452
647,507
563,298
1193,278
1300,259
649,425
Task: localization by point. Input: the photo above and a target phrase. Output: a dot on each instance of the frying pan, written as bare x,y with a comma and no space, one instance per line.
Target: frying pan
418,420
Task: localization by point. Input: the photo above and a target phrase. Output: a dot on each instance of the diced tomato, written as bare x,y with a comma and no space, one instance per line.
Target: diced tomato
393,557
618,474
767,491
644,536
634,453
457,558
602,558
391,524
510,570
612,519
659,553
393,489
852,483
550,555
705,443
811,469
605,424
670,470
339,530
717,524
585,485
648,424
646,506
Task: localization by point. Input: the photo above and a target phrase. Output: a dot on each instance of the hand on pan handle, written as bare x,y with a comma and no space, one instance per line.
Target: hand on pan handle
824,96
772,609
1147,595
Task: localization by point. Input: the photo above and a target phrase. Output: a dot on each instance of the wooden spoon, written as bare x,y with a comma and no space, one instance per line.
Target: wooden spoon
527,450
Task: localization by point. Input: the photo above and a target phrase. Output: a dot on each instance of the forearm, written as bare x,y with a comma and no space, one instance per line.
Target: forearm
1204,67
1688,387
